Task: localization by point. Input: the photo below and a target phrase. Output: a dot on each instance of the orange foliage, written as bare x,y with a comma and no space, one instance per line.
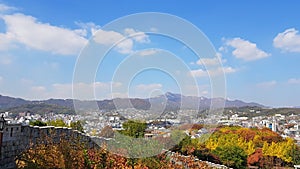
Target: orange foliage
247,134
255,158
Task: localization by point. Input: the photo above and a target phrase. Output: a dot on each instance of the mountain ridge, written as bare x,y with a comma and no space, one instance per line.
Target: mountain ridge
170,101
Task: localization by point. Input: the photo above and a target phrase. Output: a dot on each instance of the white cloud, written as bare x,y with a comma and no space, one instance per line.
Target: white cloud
267,84
38,89
204,92
153,29
227,70
87,29
91,91
199,73
294,81
145,90
83,91
148,52
213,61
124,45
219,55
110,37
289,40
6,41
27,30
51,65
42,36
117,95
246,50
213,72
148,87
196,90
220,70
138,36
88,91
25,81
107,37
223,49
5,8
208,61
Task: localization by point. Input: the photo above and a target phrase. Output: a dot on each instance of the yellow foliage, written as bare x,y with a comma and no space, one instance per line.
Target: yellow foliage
230,140
93,132
281,149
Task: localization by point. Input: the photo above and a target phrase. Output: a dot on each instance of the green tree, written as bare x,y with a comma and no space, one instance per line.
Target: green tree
77,126
296,155
57,123
37,123
134,129
232,156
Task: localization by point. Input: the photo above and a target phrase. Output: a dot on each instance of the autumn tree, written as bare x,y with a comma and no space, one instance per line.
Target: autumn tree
282,150
256,158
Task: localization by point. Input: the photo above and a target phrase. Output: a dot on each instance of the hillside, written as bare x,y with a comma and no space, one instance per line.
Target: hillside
39,109
170,100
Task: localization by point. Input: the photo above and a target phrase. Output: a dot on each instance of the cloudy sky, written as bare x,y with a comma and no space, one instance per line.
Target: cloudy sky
256,42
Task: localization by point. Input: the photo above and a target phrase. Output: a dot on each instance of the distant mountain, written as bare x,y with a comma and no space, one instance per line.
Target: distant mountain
173,97
169,101
61,102
193,102
8,102
40,109
239,103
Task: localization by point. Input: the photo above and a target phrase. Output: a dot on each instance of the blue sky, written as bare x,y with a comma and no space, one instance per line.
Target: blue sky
257,42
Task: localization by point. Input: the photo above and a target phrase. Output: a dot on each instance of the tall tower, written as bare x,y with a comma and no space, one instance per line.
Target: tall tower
274,124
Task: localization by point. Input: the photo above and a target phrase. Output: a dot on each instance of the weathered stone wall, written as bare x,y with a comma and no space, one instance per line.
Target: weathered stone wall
12,143
210,164
17,138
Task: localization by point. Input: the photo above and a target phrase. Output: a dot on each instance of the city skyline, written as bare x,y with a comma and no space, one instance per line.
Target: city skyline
257,43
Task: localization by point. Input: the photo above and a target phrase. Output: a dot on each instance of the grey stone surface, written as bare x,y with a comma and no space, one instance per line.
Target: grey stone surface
17,138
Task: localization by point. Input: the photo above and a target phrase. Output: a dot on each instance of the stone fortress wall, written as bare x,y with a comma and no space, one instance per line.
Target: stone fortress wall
17,138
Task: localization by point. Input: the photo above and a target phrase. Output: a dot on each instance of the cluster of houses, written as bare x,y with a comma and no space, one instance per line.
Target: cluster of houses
286,126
